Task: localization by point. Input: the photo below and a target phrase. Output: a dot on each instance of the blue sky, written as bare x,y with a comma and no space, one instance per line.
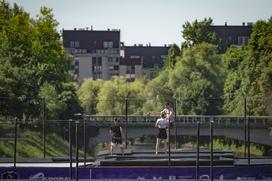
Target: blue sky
142,21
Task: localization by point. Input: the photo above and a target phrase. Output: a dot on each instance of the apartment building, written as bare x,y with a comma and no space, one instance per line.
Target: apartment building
96,53
101,55
233,34
140,60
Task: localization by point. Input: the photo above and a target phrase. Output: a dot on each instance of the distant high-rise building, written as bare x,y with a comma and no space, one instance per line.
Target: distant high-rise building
96,53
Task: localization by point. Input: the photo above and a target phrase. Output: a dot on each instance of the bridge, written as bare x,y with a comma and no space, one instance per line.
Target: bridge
224,126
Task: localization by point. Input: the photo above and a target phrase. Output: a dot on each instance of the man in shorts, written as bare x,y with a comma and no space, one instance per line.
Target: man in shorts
162,124
116,132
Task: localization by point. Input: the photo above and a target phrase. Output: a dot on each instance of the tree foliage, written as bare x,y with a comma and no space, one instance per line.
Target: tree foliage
88,95
198,32
197,81
250,73
172,56
157,92
31,58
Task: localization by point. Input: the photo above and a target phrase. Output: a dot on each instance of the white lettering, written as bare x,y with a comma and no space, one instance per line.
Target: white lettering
41,176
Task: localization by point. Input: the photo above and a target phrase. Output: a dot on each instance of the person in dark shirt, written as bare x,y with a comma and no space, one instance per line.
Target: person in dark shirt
116,132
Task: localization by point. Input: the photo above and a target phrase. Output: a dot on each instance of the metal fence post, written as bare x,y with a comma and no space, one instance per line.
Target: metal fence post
70,149
245,126
169,146
77,122
15,142
248,141
43,121
126,100
84,139
211,142
197,151
175,112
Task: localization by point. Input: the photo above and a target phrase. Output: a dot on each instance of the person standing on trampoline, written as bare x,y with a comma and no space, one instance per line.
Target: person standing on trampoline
117,134
162,124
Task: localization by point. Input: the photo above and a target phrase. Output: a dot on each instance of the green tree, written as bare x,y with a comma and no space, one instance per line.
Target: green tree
172,56
112,97
54,105
31,56
69,98
197,81
113,94
88,95
16,81
198,32
250,73
157,92
49,60
136,97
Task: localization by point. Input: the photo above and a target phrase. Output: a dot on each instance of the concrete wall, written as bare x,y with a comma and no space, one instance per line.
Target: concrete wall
85,66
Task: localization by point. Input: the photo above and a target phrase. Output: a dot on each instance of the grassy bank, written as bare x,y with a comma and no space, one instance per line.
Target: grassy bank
30,144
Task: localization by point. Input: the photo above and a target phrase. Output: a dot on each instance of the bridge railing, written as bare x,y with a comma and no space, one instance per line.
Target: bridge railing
219,120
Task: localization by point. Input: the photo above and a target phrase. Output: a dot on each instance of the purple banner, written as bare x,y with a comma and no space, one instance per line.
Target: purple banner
46,173
235,173
239,173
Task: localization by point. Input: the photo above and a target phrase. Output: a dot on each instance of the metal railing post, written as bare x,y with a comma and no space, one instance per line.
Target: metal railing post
84,139
76,174
175,112
169,145
211,157
15,142
197,151
245,126
126,104
43,121
70,150
248,141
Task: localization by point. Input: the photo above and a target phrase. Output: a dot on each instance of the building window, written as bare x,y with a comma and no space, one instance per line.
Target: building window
105,44
163,56
76,44
115,67
243,40
110,67
111,59
94,60
96,68
134,57
72,44
108,44
130,69
97,76
99,61
72,67
240,40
